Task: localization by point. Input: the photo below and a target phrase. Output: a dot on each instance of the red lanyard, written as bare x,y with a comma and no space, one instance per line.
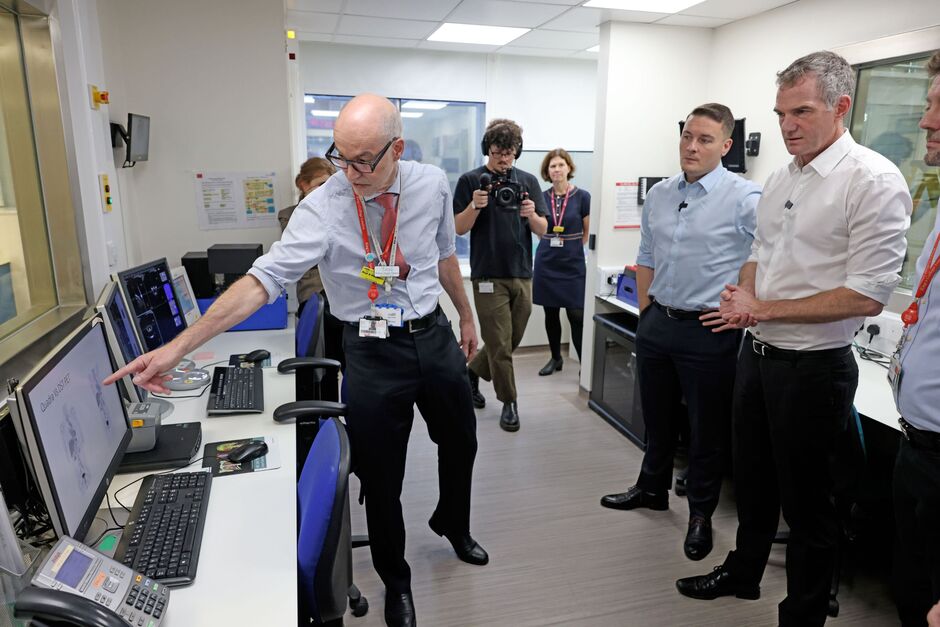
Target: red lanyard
909,316
564,205
370,258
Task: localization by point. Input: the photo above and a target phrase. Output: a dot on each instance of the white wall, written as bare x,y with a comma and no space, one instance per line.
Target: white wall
212,75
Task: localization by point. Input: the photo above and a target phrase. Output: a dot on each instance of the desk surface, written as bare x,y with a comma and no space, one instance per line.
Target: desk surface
247,566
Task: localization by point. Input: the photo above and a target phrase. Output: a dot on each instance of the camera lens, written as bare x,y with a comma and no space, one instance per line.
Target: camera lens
505,196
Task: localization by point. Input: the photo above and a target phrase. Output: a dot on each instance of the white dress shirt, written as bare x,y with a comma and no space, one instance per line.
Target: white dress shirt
839,221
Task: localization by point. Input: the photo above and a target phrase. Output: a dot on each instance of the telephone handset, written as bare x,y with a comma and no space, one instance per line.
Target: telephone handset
76,585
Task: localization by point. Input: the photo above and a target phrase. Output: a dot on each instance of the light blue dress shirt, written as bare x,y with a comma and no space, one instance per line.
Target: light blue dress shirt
324,231
696,251
918,395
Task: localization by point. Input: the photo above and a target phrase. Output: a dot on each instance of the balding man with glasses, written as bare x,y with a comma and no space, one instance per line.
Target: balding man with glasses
382,232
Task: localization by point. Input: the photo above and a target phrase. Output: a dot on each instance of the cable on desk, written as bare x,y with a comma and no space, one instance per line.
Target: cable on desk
165,472
868,354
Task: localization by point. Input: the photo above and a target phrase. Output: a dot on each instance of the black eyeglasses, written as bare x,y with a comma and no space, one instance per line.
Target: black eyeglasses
363,167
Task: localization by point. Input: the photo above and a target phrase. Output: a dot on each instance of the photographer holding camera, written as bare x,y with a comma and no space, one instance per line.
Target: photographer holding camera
500,206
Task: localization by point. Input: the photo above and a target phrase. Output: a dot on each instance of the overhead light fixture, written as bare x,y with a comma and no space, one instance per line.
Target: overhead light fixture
596,48
428,105
649,6
477,34
324,113
291,34
412,114
308,99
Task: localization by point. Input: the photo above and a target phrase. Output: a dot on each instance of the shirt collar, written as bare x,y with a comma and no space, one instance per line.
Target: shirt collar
707,182
826,161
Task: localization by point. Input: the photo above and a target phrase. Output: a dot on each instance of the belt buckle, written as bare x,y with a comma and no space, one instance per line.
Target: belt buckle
669,311
759,347
904,429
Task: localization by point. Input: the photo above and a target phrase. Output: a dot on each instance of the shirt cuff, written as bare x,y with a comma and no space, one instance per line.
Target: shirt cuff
877,288
268,282
644,259
448,253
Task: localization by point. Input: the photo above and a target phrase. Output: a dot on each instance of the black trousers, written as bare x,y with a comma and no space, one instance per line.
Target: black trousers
553,329
679,359
917,518
385,379
789,415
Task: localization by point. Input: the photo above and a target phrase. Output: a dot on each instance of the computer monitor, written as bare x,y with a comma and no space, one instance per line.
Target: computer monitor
185,295
155,313
74,429
120,333
138,137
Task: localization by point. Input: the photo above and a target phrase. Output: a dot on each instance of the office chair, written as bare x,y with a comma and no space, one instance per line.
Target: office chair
851,456
324,548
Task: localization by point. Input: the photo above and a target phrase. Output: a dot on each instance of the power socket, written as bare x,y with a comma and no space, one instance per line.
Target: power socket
607,280
886,341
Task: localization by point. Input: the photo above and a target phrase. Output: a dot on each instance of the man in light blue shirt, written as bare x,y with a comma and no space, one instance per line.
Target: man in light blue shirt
696,232
917,393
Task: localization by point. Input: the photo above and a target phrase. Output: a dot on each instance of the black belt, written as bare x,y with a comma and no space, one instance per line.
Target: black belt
772,352
678,314
920,439
415,325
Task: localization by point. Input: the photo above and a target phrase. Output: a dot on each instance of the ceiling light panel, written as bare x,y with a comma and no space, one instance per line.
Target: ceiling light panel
651,6
476,34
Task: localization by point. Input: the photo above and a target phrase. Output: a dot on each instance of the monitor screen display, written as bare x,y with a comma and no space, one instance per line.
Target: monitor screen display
184,293
79,427
148,290
121,335
138,137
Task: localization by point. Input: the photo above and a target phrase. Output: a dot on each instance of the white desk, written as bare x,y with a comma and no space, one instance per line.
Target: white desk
247,564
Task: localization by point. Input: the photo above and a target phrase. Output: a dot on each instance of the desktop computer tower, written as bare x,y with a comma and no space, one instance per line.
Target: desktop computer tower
197,268
232,260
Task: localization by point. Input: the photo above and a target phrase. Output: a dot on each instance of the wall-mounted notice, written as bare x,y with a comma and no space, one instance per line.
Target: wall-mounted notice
628,209
235,200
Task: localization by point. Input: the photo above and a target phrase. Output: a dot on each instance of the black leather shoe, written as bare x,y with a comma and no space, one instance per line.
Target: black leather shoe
399,610
478,401
466,548
698,541
553,365
717,583
634,498
509,418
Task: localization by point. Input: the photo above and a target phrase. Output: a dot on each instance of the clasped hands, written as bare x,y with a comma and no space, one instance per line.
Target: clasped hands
737,309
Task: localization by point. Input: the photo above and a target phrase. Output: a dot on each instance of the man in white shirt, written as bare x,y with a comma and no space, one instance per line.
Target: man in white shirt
828,248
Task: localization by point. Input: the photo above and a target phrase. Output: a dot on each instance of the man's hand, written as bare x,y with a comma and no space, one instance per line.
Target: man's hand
712,318
148,369
481,198
933,616
527,208
468,339
739,307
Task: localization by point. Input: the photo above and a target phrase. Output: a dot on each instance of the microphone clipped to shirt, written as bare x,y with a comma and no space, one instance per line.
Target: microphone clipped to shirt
683,205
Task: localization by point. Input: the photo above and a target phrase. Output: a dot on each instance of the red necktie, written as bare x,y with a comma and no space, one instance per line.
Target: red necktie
387,200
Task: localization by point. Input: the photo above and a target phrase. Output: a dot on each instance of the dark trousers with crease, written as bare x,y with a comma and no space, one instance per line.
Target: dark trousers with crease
679,359
788,417
385,380
917,518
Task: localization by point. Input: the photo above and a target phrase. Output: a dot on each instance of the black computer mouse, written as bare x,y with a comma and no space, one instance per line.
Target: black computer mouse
247,452
257,355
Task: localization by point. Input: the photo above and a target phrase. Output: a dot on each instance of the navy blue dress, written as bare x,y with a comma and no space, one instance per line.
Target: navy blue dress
558,279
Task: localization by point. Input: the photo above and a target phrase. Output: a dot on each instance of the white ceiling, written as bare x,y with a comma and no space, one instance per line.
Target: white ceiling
560,28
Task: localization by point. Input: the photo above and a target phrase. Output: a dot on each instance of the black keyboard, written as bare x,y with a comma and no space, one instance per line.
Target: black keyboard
164,531
236,391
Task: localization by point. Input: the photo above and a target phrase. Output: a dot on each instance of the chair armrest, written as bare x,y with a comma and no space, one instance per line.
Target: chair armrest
292,364
299,409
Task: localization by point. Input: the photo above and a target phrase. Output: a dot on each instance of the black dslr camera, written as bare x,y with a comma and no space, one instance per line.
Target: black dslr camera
506,193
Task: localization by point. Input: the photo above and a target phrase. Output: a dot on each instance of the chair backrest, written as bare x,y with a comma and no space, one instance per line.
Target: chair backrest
324,549
309,328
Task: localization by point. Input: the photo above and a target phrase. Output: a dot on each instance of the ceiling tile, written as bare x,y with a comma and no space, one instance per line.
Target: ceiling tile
385,42
734,9
502,13
442,45
534,52
566,40
692,20
312,22
402,9
630,16
570,3
590,56
304,36
384,27
587,20
325,6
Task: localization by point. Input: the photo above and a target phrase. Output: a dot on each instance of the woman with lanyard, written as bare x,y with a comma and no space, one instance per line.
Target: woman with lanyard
559,272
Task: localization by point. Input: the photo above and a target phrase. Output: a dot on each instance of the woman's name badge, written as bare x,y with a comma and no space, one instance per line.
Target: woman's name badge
369,274
373,327
386,272
556,242
558,229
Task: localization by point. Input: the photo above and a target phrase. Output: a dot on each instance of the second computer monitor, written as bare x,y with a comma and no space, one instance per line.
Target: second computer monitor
148,291
121,335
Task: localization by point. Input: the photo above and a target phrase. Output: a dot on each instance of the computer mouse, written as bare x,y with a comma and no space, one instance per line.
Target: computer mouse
247,452
257,355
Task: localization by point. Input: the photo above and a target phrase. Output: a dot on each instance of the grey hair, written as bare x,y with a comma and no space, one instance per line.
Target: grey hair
391,125
834,76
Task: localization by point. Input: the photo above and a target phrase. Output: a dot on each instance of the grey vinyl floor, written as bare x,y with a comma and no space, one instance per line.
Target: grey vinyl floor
556,556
